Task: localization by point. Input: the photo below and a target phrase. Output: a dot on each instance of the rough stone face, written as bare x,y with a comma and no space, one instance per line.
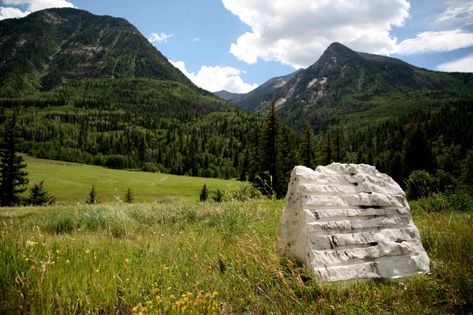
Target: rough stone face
350,222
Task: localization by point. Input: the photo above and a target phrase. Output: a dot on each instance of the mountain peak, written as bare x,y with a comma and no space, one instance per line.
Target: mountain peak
337,50
75,44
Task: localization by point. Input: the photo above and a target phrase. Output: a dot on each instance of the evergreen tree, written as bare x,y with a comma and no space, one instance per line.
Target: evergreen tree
13,179
327,150
218,197
204,193
244,167
39,196
309,148
129,198
417,152
92,198
467,169
268,174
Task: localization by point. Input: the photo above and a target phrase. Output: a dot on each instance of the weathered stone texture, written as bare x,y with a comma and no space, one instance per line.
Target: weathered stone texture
350,222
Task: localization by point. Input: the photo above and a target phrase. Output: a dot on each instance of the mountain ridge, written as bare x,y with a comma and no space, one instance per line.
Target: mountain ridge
344,82
54,46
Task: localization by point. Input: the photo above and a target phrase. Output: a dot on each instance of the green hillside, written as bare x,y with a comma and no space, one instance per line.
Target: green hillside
75,44
72,182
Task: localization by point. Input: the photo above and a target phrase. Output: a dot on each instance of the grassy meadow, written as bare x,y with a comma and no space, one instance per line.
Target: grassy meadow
187,257
72,182
168,253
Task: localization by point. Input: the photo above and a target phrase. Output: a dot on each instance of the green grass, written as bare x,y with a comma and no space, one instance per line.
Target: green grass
72,182
109,258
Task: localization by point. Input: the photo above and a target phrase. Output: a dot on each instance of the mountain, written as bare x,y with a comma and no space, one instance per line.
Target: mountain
228,96
343,83
261,96
55,46
92,89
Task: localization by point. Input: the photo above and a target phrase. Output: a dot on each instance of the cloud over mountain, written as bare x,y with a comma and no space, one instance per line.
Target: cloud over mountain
217,78
297,32
11,11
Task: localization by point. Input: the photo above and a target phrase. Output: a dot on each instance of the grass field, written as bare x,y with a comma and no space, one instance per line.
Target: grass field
72,182
188,257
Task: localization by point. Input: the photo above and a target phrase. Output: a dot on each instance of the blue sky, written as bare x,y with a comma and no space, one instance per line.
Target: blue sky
239,44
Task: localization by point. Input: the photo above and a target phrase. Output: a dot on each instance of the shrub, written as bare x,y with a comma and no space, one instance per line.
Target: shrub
92,198
419,184
243,193
129,198
218,197
204,193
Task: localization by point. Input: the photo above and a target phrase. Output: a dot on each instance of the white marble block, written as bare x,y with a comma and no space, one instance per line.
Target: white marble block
350,222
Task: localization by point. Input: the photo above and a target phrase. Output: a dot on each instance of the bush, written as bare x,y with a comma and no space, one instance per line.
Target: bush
421,184
218,197
243,193
434,203
461,200
92,197
204,193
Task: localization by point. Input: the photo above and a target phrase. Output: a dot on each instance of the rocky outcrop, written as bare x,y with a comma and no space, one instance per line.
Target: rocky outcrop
350,222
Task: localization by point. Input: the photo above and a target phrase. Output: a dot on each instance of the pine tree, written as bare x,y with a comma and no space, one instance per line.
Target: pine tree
13,179
204,193
218,197
309,148
268,176
327,150
129,198
39,196
92,198
417,152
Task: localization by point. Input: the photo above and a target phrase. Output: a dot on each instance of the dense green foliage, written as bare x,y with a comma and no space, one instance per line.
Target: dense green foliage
274,153
435,140
209,144
109,258
13,177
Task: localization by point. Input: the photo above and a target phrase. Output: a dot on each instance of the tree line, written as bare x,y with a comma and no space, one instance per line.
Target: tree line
234,144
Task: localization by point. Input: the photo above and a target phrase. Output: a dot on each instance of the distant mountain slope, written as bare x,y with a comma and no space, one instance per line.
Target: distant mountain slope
228,96
54,46
344,82
265,93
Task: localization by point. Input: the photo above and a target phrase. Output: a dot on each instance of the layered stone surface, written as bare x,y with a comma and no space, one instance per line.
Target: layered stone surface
350,222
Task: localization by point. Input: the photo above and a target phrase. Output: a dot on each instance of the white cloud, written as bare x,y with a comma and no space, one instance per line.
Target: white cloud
297,32
10,13
31,6
436,42
464,64
196,39
159,37
458,13
216,78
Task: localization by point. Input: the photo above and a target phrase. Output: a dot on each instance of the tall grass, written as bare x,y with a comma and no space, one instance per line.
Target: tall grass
221,257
